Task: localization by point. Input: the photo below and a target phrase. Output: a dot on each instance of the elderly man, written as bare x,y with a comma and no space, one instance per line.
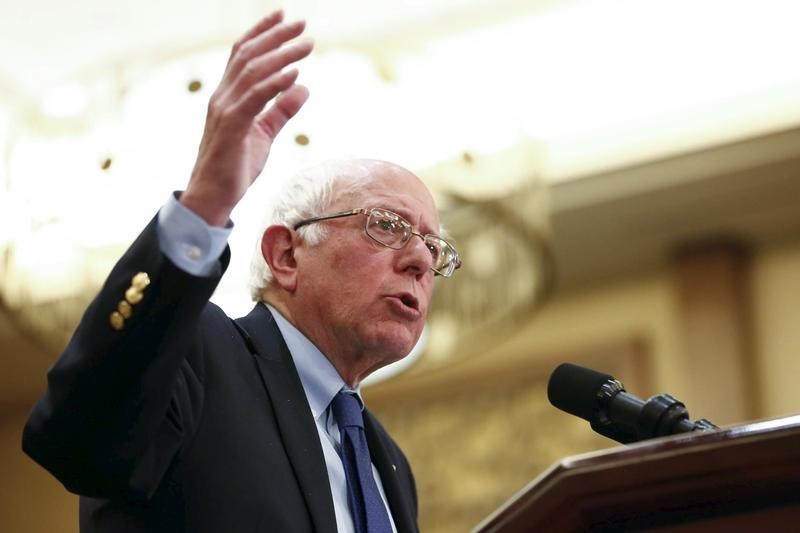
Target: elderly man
166,415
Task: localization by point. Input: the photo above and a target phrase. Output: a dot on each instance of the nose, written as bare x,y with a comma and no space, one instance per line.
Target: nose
415,257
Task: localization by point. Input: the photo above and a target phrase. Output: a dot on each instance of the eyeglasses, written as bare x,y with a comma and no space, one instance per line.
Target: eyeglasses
393,231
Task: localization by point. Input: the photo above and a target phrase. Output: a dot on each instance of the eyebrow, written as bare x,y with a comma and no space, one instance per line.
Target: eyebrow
407,215
387,203
402,212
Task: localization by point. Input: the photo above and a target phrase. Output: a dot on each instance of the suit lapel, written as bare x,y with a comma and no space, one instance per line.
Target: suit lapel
402,513
295,423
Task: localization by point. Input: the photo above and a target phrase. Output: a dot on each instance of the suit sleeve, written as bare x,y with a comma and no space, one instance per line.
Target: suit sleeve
128,390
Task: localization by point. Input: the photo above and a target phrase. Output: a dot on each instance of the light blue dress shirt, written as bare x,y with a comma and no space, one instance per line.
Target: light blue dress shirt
188,241
321,382
194,246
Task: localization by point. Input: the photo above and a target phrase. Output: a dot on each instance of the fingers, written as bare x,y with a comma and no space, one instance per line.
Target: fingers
285,107
271,38
263,25
262,67
253,102
254,75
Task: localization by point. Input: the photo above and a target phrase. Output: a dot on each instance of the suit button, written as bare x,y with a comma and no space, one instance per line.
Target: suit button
133,295
116,320
140,281
124,309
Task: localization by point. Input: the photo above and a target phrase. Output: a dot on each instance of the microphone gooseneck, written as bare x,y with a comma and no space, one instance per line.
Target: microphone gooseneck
612,412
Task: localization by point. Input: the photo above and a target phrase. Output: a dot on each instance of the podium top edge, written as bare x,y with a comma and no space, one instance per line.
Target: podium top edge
776,439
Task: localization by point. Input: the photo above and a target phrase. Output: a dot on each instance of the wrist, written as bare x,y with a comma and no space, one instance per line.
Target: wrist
207,206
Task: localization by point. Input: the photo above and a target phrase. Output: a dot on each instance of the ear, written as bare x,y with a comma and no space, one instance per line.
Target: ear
278,247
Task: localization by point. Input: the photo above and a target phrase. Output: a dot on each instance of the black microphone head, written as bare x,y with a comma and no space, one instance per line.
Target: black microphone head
574,389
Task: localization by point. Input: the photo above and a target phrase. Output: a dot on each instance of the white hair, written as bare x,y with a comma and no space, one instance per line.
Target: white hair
307,194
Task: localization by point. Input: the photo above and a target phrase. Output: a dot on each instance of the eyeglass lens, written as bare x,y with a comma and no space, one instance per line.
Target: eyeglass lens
392,230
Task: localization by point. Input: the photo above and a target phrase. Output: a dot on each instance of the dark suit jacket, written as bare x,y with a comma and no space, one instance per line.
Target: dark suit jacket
184,420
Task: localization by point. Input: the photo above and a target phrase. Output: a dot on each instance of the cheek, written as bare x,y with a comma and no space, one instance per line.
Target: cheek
351,254
356,277
427,285
366,265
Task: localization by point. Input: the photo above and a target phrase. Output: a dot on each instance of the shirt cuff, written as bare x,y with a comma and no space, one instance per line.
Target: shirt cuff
187,240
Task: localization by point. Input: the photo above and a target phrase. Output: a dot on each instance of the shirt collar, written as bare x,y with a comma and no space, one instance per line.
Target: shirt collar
320,380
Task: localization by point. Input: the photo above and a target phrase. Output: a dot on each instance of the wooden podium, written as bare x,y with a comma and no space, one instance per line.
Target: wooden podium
736,479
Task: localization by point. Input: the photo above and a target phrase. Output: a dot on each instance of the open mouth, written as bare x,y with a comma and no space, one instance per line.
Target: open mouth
406,303
410,301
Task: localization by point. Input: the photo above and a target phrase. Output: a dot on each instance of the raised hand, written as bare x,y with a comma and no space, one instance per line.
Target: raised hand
254,100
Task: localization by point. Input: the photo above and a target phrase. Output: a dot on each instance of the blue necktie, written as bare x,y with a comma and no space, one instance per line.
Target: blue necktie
366,504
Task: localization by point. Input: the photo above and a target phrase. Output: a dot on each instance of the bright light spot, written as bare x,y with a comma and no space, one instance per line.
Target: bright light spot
65,101
46,267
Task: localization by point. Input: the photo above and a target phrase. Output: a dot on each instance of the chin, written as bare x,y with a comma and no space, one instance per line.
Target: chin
396,351
395,340
396,345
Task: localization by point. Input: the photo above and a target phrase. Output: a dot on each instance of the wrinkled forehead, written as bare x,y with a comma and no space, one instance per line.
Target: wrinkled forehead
394,188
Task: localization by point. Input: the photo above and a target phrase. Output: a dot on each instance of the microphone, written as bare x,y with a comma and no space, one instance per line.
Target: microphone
612,412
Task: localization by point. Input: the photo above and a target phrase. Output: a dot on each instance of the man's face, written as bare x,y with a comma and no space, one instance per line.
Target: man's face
360,299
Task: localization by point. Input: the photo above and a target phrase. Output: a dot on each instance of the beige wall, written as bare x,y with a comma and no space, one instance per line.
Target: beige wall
647,307
777,316
31,501
642,307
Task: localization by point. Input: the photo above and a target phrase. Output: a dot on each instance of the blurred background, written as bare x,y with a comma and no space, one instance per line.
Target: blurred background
621,177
